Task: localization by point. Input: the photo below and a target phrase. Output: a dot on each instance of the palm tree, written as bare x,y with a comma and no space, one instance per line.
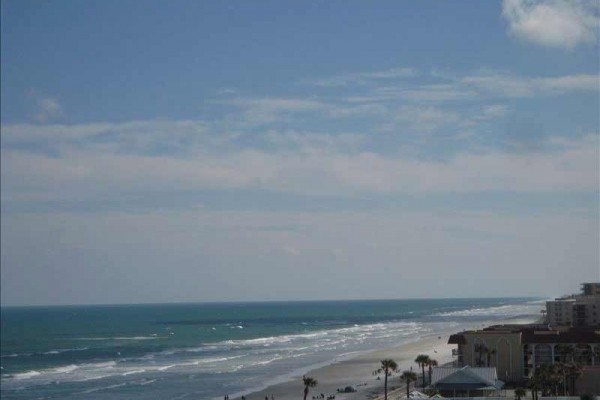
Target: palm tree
573,372
408,377
431,363
534,384
596,355
489,353
387,366
308,383
549,378
584,355
560,370
480,348
422,360
520,392
566,352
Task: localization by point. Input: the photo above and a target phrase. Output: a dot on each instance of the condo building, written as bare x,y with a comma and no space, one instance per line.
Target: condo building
576,310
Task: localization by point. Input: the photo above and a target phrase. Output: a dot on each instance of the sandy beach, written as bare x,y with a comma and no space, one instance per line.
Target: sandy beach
358,371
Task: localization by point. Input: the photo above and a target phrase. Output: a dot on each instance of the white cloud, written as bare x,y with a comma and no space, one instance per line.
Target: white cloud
553,23
46,107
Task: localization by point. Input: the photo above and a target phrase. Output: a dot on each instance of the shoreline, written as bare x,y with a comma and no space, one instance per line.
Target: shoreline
357,370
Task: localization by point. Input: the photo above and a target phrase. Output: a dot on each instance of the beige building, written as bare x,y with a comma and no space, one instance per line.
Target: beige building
497,346
517,350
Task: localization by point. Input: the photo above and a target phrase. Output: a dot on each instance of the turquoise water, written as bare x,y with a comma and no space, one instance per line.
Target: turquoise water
203,351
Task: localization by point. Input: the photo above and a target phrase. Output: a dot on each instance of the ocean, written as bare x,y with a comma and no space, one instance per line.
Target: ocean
204,351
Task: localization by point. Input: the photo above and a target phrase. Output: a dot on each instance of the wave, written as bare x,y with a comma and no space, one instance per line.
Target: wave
26,375
65,370
135,371
49,352
97,389
61,370
152,337
59,351
16,355
402,328
505,311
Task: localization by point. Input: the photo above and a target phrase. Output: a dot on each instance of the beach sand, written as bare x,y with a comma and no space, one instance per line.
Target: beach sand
358,371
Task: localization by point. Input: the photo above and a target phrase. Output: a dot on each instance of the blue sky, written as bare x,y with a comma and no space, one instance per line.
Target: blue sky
207,151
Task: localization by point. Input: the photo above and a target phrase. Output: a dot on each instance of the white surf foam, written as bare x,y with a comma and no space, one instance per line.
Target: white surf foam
504,311
26,375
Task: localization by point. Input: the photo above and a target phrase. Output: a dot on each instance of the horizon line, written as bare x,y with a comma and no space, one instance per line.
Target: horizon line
539,297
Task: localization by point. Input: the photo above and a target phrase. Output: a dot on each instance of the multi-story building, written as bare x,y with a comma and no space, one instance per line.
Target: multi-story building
559,312
576,310
517,350
586,312
497,346
590,289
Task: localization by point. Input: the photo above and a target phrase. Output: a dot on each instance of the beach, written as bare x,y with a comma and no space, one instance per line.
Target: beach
358,371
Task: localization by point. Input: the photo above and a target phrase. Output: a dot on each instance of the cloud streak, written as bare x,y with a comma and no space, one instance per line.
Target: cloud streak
299,168
362,78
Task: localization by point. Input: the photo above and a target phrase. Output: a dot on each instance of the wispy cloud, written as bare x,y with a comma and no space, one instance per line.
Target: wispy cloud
424,118
554,23
505,85
260,111
483,84
46,107
361,78
306,167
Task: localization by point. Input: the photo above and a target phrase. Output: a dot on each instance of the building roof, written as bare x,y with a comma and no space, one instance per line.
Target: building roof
457,339
465,378
570,336
536,334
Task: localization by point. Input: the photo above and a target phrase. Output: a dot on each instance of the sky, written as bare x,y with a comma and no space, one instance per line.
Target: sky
191,151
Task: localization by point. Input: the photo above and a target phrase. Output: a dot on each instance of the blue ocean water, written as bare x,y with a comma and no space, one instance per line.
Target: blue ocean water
203,351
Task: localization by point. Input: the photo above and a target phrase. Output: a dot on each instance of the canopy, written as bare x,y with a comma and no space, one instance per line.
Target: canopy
465,378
